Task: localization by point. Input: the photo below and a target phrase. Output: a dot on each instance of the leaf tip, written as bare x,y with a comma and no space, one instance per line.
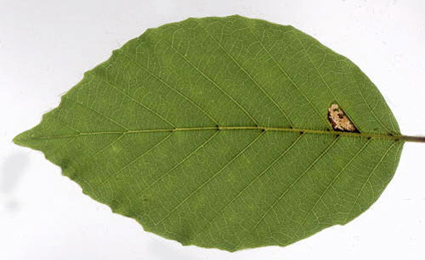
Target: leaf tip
17,139
21,139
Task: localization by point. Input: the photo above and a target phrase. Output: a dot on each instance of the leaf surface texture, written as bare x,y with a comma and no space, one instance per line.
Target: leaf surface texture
215,132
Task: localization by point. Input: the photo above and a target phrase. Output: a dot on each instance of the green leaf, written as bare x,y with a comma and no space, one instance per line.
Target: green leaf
215,132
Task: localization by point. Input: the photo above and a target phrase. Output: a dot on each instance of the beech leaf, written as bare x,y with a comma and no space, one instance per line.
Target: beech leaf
228,132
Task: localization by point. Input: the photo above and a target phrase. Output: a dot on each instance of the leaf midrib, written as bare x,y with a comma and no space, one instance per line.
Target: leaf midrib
241,128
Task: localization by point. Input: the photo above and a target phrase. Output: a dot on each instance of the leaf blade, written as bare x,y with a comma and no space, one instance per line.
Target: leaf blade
195,129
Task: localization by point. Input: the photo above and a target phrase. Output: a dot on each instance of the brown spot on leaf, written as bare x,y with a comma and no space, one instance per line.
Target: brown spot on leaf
339,120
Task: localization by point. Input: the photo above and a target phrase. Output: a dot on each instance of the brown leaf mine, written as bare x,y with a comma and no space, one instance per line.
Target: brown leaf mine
339,121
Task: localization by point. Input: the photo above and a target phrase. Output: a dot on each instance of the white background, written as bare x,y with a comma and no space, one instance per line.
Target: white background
46,46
